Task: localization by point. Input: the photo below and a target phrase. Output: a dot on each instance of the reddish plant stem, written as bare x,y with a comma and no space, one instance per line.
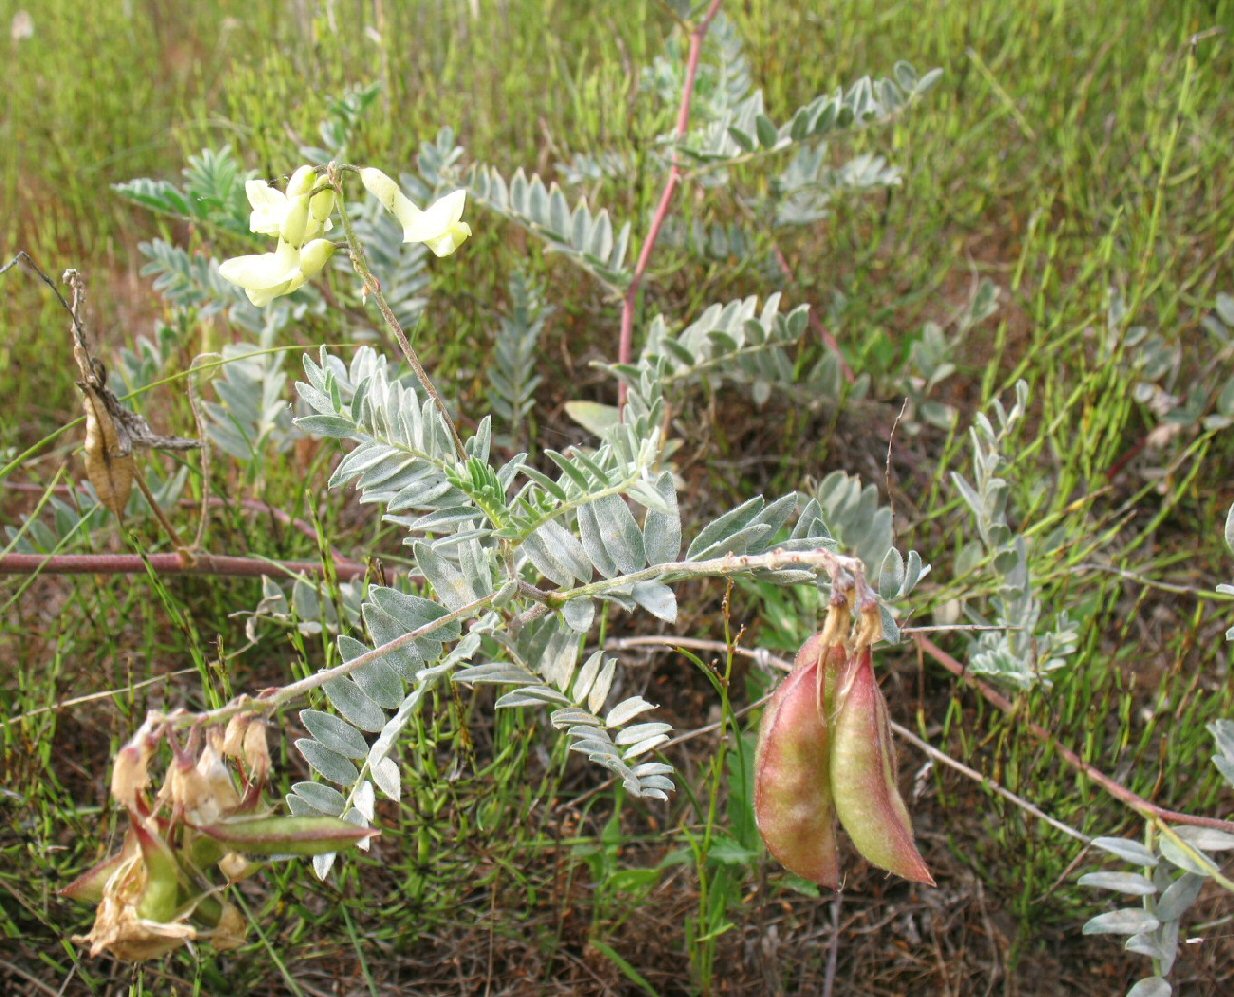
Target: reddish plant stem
625,345
1143,807
169,564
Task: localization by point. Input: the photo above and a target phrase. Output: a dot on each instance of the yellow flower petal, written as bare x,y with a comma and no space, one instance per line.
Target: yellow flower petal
438,221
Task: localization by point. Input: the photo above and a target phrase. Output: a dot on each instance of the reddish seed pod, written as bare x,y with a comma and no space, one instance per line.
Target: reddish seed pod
793,801
863,777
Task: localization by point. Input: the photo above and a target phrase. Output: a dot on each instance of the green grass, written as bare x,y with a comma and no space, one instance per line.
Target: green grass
1070,148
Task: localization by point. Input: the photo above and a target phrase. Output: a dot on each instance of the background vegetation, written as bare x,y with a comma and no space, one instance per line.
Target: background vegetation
1071,148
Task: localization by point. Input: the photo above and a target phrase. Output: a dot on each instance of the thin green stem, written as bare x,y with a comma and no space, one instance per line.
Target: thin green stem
373,286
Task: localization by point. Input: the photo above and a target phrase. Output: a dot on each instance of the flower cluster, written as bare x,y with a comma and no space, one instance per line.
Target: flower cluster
299,216
155,894
825,753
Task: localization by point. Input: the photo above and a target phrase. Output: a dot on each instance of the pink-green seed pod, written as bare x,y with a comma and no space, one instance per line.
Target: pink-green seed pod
863,778
286,835
793,802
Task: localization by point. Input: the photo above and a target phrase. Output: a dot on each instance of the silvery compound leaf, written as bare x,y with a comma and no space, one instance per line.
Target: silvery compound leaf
645,745
384,628
1126,921
300,807
387,776
531,696
640,732
494,673
620,533
586,676
572,716
414,613
646,494
364,799
354,704
322,798
330,764
448,581
1167,934
579,614
915,572
593,542
627,710
334,733
595,417
1186,857
557,554
378,679
604,682
891,574
1127,848
1125,882
1223,733
891,629
1207,839
712,541
657,598
1146,943
1179,896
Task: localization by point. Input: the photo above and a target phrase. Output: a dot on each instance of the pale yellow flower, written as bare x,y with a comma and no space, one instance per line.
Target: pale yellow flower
439,226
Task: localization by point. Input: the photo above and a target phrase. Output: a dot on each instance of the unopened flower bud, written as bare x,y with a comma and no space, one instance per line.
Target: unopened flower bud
295,223
314,256
235,867
301,182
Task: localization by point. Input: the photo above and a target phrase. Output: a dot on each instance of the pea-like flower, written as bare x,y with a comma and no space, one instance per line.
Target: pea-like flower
272,207
439,226
265,276
298,217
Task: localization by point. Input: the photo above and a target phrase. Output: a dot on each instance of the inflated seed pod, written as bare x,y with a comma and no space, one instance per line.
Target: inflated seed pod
793,802
863,778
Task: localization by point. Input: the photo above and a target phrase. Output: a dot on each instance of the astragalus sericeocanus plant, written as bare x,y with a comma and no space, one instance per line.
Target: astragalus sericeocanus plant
825,754
516,558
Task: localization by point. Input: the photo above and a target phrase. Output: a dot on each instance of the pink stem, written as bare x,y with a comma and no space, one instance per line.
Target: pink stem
629,303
